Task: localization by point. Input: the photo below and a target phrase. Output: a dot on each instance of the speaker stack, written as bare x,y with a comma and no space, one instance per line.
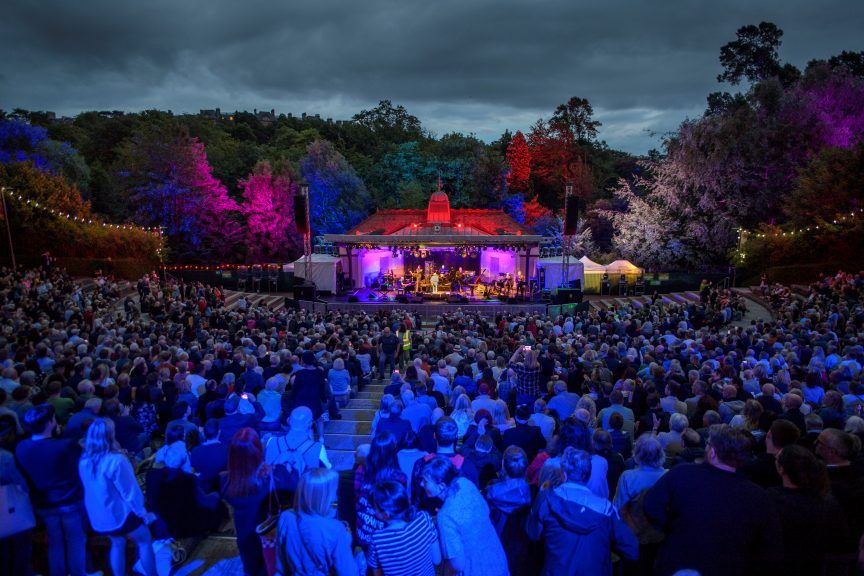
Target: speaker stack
301,213
568,296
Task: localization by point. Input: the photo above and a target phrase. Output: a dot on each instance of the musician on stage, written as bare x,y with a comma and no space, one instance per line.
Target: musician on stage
521,285
434,281
418,279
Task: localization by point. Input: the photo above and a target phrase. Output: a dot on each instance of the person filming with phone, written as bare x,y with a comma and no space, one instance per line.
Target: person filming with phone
524,364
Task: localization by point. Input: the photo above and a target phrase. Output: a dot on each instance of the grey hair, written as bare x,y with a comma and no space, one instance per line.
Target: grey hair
648,451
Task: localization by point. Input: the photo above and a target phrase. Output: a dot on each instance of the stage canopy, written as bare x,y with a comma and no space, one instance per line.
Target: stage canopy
555,271
593,274
591,266
623,267
322,271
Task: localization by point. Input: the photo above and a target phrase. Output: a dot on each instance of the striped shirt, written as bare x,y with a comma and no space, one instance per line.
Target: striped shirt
405,551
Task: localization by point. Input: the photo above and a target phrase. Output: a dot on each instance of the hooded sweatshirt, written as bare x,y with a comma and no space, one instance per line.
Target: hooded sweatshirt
579,531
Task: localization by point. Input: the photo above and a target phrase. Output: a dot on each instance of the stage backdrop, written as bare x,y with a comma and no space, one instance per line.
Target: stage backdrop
448,259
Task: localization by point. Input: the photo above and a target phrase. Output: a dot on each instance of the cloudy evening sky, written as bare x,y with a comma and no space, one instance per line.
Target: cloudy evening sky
473,66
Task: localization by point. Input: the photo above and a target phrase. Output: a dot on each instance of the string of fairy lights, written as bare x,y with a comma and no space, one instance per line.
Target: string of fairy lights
16,195
845,217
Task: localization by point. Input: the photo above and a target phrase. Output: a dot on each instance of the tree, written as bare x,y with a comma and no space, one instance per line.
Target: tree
172,185
647,233
753,55
579,244
59,220
829,188
390,123
338,198
853,62
558,152
271,234
22,142
573,121
519,161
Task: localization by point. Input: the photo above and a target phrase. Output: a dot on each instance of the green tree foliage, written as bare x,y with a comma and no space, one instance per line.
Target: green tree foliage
36,229
829,190
753,55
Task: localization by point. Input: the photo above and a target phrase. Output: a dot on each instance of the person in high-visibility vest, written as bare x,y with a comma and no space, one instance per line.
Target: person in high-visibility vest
405,356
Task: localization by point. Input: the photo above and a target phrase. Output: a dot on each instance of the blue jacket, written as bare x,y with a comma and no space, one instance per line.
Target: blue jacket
579,531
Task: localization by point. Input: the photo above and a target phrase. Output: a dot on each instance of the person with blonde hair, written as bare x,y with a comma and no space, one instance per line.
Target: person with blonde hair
462,414
310,539
113,499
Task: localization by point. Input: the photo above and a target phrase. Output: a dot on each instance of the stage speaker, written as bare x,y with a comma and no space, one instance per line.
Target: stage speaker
403,298
568,296
456,299
353,299
541,277
301,212
577,284
291,304
571,216
306,292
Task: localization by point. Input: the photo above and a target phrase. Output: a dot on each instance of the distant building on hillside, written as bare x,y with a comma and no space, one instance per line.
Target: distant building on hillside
265,117
211,114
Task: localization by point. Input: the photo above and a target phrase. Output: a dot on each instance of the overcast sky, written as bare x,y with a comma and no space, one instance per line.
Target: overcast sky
472,66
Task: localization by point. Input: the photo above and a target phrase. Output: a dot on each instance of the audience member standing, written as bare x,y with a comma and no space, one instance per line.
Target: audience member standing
579,529
310,540
733,532
113,498
468,539
51,467
245,487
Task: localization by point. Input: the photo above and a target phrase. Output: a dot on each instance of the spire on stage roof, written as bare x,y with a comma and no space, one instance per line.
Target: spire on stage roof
439,207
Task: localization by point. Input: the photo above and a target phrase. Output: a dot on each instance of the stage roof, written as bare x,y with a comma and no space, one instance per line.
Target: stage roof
437,223
441,239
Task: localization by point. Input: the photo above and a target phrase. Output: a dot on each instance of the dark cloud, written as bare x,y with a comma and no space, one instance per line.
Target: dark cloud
474,66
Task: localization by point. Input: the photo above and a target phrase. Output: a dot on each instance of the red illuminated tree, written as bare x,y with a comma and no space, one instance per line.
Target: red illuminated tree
519,160
535,212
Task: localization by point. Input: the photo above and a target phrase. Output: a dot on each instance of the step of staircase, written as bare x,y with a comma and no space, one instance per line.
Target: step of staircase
358,414
358,427
344,441
365,403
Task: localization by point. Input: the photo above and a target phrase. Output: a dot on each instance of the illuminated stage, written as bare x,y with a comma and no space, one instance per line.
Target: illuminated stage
477,254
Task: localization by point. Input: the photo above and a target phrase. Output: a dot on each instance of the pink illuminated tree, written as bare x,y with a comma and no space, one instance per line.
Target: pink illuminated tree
171,184
268,206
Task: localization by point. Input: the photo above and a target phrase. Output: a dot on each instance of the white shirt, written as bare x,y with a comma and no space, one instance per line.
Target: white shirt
196,384
111,492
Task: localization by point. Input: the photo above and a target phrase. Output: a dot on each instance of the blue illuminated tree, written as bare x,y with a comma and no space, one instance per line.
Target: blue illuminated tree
338,197
21,142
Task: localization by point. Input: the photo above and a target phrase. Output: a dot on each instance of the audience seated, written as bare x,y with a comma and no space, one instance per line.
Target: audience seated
747,455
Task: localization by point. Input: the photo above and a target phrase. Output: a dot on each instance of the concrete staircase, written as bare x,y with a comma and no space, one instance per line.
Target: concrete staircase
254,300
341,437
607,302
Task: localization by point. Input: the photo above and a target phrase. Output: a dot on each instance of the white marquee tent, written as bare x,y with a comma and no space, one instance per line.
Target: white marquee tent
322,271
555,271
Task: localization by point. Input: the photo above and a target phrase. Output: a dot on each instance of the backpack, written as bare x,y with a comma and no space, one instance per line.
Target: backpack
290,463
633,515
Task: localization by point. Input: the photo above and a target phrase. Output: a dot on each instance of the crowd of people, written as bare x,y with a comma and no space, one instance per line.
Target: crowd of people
652,440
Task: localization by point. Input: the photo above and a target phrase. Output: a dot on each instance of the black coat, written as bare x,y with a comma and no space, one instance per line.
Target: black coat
529,438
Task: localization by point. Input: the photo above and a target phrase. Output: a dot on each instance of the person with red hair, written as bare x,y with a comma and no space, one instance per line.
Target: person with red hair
245,487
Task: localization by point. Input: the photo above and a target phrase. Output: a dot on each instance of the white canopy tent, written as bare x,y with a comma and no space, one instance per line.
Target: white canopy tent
322,271
593,275
591,266
555,271
623,267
